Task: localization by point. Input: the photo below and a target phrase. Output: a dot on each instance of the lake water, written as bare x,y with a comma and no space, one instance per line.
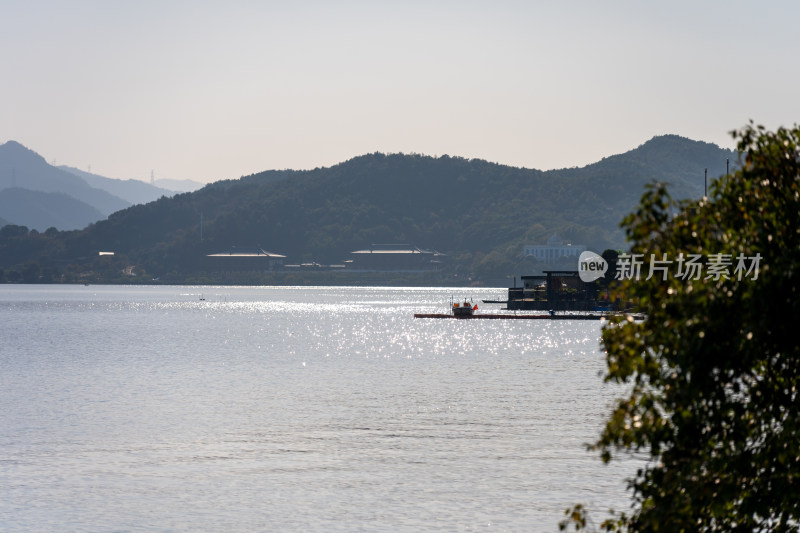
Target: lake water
293,409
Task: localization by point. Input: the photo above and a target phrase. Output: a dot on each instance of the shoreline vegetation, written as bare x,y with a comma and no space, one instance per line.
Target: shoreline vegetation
32,275
478,217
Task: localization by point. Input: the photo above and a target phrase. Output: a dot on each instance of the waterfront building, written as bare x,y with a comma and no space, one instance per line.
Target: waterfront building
244,260
554,250
394,257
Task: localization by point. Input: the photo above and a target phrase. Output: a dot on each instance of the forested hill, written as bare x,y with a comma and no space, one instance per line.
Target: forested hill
479,213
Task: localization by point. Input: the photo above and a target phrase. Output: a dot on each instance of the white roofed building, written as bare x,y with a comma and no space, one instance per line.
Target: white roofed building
555,250
244,259
395,257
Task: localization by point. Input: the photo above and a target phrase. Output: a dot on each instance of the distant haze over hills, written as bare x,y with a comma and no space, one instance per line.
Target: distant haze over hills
42,210
67,198
179,185
479,214
24,168
132,191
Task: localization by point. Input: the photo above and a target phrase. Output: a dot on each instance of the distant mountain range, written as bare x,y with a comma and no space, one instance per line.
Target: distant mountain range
479,214
132,191
43,210
64,197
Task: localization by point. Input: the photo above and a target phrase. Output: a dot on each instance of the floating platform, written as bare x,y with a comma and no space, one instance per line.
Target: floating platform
513,317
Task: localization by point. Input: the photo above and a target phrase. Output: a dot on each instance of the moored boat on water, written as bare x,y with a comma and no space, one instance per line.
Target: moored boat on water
463,309
466,309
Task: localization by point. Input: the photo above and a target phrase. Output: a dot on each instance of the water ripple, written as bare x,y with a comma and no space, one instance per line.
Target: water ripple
327,409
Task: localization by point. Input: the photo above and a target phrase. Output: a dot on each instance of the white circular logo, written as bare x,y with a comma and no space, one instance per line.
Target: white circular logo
591,266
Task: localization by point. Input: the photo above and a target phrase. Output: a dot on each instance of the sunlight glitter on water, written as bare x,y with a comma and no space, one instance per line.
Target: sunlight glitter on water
293,408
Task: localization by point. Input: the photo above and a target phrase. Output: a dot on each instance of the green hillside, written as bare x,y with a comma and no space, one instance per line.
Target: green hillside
480,214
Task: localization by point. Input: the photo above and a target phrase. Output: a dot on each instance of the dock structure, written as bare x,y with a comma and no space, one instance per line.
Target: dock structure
512,317
562,290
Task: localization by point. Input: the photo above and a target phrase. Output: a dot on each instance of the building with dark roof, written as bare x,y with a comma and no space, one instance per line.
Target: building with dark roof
557,290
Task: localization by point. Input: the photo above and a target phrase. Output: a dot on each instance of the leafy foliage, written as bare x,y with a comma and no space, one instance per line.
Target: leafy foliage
714,370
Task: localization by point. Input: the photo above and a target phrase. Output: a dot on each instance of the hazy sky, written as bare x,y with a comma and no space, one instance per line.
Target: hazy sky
210,90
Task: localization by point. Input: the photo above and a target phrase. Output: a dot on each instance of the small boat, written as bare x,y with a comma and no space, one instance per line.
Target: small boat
463,309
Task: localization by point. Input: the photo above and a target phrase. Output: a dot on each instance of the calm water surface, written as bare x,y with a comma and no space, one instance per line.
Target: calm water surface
294,409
